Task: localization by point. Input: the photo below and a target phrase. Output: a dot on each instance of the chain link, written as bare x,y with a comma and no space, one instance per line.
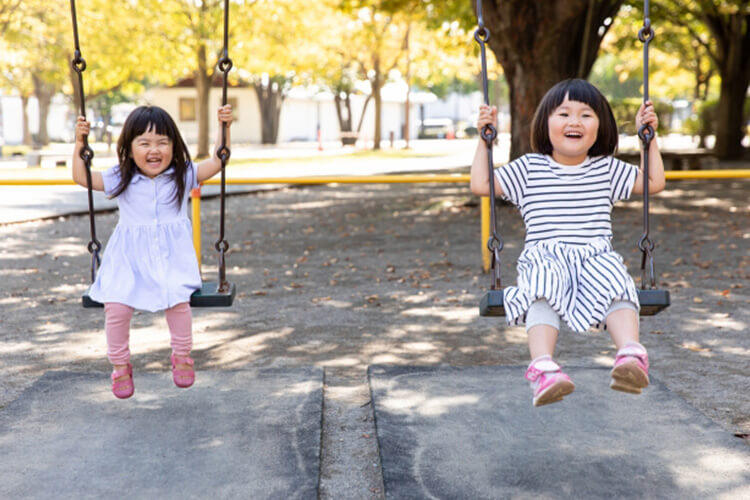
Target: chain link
78,64
646,133
488,134
223,153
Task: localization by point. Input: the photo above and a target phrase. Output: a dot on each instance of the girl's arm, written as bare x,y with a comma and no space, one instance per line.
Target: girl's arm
656,180
79,167
209,167
480,171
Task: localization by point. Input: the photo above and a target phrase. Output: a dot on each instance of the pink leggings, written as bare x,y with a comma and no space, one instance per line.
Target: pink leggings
117,326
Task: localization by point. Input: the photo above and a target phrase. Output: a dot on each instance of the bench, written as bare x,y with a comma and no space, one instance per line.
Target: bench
693,159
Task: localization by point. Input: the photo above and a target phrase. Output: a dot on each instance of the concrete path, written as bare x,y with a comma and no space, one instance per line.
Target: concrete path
235,434
472,433
23,203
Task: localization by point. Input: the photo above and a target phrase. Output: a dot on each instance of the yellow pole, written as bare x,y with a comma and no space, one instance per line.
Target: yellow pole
485,211
195,197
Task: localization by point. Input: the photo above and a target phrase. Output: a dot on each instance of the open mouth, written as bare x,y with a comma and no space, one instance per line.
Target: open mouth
573,135
153,162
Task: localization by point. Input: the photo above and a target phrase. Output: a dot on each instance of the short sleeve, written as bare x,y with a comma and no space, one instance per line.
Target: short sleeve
512,178
111,179
191,178
622,179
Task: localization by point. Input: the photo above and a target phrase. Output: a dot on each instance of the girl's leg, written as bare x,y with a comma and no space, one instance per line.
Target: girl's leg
548,383
179,319
542,327
117,327
630,372
180,322
622,322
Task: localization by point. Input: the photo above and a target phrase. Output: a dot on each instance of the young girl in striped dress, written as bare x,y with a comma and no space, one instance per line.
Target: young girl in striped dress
565,191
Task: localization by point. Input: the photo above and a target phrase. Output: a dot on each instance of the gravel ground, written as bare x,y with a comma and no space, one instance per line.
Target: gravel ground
348,276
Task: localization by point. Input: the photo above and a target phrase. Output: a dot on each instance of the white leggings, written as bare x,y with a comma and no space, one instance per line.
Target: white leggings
541,313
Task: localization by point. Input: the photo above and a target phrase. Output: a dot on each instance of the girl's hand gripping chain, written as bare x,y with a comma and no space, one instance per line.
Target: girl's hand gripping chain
656,181
480,173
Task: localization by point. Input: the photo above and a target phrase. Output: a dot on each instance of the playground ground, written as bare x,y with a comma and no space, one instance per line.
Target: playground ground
343,277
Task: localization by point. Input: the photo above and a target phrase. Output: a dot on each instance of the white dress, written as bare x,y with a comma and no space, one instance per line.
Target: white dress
149,262
568,257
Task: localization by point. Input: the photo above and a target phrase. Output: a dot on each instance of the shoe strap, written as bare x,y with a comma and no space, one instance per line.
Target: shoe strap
128,370
181,360
539,368
633,351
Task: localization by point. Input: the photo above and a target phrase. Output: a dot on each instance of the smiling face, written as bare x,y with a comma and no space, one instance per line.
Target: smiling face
573,127
151,152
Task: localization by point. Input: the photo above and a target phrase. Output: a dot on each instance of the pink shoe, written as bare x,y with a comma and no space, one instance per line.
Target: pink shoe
182,377
630,373
548,381
124,388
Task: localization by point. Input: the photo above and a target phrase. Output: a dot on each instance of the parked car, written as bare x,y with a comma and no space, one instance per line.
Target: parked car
437,128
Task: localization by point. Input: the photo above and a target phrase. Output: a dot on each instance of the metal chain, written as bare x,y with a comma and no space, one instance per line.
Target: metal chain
489,133
87,154
646,134
223,152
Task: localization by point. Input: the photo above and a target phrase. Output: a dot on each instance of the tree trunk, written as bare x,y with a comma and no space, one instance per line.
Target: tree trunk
43,91
344,115
377,85
730,120
25,120
203,90
538,43
733,37
270,99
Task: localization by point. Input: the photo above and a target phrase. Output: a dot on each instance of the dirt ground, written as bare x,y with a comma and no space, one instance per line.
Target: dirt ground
346,276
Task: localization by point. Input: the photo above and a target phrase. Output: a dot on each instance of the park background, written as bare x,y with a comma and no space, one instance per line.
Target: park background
348,70
334,280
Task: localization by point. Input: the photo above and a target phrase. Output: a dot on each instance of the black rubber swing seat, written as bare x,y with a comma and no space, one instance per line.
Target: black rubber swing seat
652,302
208,296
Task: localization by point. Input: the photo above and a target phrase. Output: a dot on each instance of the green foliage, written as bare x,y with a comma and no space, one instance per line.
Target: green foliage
704,120
626,109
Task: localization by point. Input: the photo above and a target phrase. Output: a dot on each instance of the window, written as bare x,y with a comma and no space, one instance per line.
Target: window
189,113
187,109
235,108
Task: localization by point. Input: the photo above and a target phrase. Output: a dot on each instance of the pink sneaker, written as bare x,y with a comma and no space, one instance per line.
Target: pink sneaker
124,388
630,373
182,377
548,381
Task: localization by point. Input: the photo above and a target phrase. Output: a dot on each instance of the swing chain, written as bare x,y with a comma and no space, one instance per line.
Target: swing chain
646,133
223,153
489,134
78,64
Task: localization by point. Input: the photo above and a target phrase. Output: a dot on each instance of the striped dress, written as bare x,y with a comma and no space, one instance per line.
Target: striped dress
568,257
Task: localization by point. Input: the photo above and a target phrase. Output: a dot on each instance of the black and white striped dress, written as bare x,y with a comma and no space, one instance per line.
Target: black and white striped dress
568,257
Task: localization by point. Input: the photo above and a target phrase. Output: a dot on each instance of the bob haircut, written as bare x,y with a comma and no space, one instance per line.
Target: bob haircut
580,91
141,120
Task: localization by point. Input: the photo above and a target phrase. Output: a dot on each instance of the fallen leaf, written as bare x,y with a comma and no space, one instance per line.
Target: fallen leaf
656,332
259,292
295,285
725,293
315,300
692,346
697,300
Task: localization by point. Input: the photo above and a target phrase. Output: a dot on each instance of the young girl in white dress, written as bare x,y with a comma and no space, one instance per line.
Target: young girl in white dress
565,191
149,262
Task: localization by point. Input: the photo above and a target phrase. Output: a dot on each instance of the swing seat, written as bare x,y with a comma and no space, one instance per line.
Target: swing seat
652,302
207,296
492,304
210,296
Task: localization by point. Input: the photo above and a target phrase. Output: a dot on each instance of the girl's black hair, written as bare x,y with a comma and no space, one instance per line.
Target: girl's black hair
139,121
581,91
